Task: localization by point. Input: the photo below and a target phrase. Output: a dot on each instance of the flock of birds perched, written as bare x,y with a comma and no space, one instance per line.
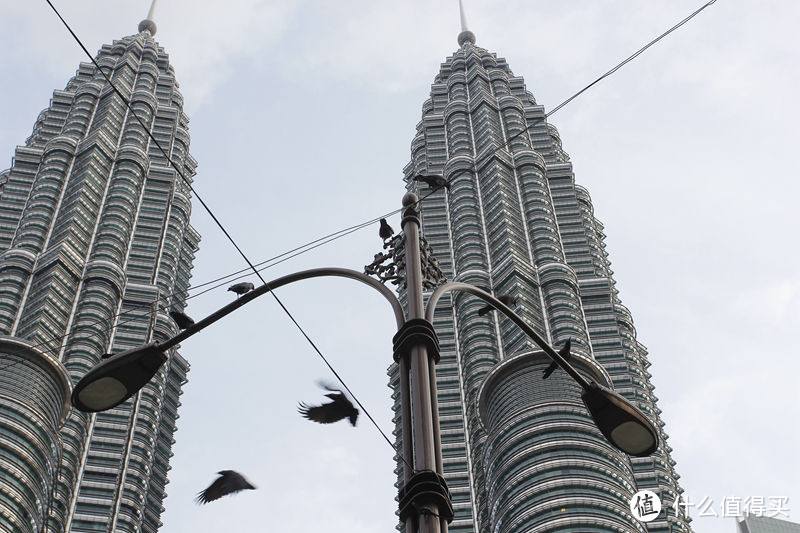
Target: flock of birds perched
340,407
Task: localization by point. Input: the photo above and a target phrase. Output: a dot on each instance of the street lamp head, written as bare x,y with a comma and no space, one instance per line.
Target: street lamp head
625,426
117,378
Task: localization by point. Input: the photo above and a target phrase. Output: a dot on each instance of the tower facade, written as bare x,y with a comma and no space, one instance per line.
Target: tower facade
520,453
95,249
765,524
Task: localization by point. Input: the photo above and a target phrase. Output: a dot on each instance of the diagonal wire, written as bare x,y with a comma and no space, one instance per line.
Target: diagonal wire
580,92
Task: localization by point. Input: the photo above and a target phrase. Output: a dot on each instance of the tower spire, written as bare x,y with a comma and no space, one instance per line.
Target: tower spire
149,24
465,36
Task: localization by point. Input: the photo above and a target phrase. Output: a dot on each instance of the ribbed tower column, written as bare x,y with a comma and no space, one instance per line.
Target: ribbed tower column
548,467
95,249
34,402
514,221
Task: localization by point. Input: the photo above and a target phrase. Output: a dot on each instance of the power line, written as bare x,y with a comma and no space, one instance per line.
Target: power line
294,252
631,57
577,94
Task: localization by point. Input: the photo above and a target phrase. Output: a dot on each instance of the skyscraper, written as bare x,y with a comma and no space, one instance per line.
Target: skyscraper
765,524
95,249
520,453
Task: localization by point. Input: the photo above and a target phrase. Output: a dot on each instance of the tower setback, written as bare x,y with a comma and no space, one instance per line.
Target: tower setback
95,250
520,453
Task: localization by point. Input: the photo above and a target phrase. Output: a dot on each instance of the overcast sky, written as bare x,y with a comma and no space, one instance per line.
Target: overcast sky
302,114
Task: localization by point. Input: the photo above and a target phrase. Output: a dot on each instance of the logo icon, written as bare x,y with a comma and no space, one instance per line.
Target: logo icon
645,506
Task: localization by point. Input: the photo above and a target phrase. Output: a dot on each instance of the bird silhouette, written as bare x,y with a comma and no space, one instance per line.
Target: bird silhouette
228,482
386,230
181,319
564,352
327,413
241,288
507,299
433,181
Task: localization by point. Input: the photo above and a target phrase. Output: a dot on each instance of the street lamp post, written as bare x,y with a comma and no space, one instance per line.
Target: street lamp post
424,500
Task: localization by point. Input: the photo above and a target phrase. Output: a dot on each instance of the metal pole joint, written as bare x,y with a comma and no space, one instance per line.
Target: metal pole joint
425,488
416,332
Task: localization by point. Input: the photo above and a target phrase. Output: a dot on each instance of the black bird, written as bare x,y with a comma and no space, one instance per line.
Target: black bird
327,413
507,299
564,352
434,181
241,288
228,482
386,230
181,319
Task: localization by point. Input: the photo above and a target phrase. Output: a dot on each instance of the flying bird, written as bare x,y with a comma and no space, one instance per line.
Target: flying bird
181,319
241,288
507,299
433,181
564,352
228,482
386,230
327,413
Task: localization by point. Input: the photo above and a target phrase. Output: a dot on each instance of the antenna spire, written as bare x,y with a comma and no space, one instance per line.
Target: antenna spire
149,24
465,36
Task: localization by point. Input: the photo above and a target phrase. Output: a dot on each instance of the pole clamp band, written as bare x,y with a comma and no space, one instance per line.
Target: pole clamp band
425,487
413,333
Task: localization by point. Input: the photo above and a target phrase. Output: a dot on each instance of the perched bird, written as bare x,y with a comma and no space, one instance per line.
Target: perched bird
507,299
241,288
327,413
386,230
564,352
181,319
434,181
228,482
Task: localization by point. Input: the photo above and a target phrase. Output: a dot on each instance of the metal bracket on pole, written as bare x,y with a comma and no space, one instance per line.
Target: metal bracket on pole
425,487
415,332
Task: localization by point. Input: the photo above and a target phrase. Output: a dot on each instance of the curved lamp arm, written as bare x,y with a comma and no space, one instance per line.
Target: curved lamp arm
285,280
619,420
122,375
500,306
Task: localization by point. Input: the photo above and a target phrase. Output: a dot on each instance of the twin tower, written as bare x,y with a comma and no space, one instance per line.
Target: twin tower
96,248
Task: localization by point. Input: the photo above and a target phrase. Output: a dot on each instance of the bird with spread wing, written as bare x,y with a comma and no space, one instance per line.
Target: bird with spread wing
228,482
339,408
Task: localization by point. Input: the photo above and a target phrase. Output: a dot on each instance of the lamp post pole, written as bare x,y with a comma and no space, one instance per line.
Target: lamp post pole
421,380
